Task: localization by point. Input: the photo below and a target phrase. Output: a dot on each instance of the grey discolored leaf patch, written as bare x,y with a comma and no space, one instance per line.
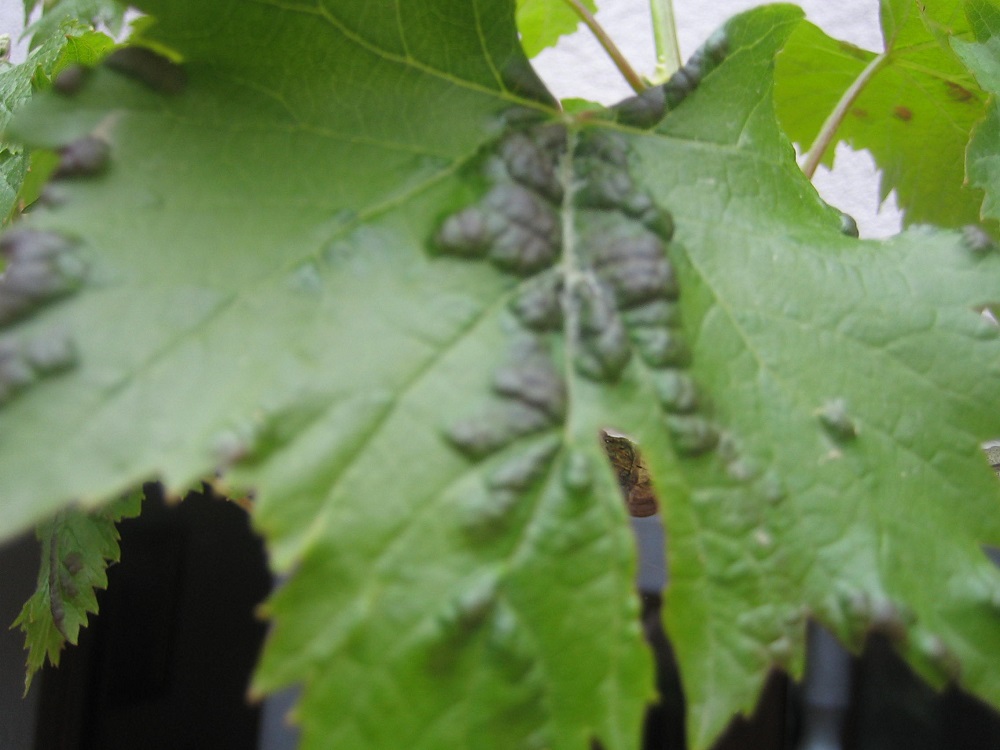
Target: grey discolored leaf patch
533,379
496,427
41,266
977,239
70,80
836,420
643,110
676,391
537,304
693,435
704,60
660,346
603,346
516,224
83,157
148,68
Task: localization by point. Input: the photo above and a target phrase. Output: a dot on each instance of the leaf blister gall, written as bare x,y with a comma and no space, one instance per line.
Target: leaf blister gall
516,224
84,157
71,79
22,363
537,303
676,391
149,68
836,420
41,266
704,60
524,469
693,435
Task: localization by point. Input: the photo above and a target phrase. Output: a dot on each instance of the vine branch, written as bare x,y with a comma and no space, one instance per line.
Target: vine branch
836,117
633,78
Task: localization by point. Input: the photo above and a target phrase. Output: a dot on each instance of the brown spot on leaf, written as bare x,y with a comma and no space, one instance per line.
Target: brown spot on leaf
903,113
859,112
958,92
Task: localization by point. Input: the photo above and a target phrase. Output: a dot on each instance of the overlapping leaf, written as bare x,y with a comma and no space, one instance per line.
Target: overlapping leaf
914,115
74,44
983,58
76,550
271,301
856,381
543,22
270,288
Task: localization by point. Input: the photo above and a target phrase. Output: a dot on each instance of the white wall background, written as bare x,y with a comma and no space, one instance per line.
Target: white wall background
579,67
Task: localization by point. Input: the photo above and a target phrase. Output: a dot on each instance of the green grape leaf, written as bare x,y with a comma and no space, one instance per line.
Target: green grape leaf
914,116
76,549
852,384
983,59
55,15
543,22
75,44
369,272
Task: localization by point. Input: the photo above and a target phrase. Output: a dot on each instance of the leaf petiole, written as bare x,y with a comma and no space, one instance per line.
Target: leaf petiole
623,65
836,117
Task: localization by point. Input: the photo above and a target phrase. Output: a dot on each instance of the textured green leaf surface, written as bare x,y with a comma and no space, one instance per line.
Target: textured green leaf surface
856,381
914,116
76,549
542,22
272,289
291,318
983,58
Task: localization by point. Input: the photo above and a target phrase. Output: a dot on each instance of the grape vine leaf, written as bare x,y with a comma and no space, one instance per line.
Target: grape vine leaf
914,116
54,16
983,59
543,22
77,548
264,281
74,43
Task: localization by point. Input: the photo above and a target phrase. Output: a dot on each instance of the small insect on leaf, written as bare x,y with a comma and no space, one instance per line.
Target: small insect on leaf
149,68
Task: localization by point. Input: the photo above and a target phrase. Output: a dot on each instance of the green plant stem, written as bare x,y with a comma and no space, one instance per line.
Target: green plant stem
633,78
836,117
668,51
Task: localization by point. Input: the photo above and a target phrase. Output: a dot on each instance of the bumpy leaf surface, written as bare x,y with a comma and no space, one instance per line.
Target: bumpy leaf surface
914,115
367,271
542,22
76,549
